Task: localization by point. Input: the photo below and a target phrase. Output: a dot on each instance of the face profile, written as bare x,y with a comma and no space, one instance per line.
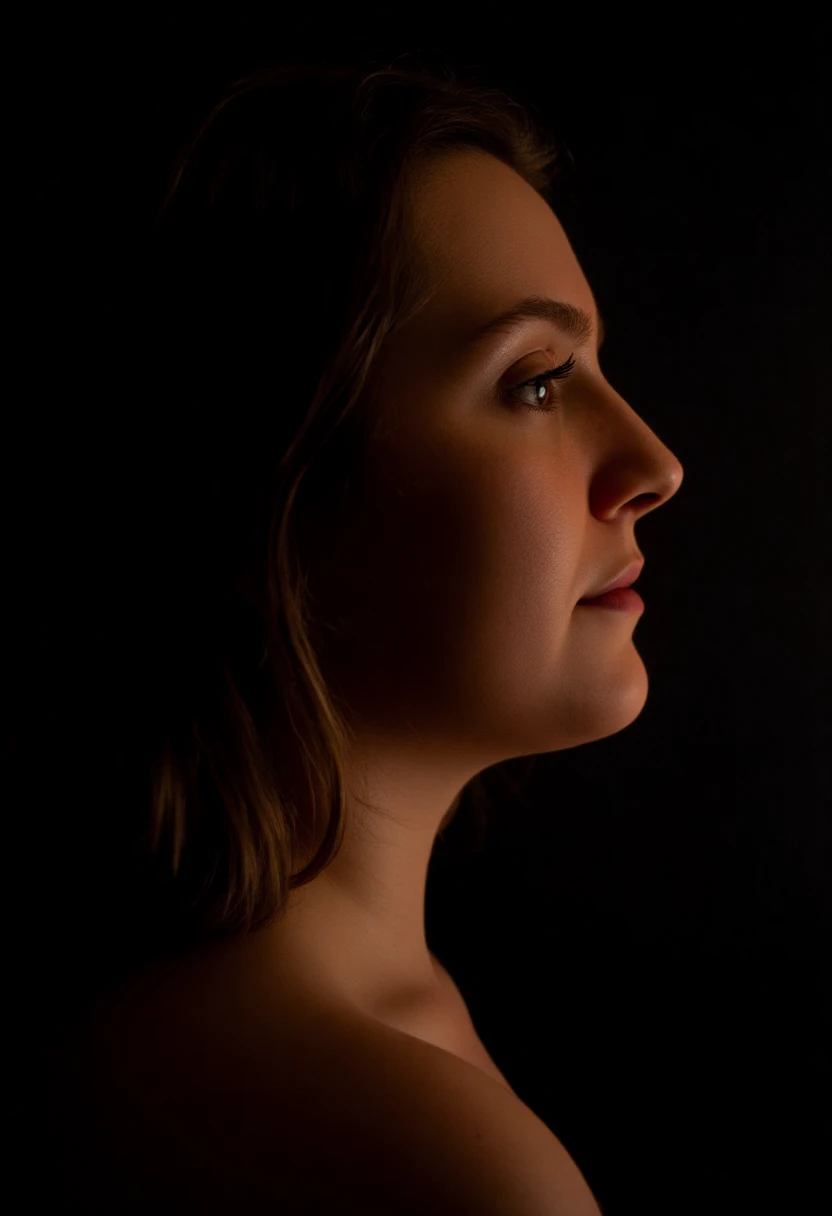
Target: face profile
484,508
441,618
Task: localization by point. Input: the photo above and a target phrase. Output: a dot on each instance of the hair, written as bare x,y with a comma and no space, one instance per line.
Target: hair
278,261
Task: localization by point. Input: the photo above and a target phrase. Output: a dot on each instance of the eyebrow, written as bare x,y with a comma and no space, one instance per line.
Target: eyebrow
569,318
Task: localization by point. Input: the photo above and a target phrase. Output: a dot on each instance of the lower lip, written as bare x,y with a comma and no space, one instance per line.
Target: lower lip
623,598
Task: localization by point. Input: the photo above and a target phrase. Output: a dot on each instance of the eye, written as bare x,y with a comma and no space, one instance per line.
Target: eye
541,382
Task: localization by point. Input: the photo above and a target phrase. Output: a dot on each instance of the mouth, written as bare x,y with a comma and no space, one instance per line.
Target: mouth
624,578
624,599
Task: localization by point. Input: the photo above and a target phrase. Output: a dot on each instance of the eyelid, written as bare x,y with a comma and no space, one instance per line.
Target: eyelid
556,369
552,376
553,362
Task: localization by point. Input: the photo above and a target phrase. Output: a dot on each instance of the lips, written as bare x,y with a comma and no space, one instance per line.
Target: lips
625,579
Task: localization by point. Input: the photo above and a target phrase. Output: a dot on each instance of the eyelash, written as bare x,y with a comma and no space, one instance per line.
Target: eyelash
554,373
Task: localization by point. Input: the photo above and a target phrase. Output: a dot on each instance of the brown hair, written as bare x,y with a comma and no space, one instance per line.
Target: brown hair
277,264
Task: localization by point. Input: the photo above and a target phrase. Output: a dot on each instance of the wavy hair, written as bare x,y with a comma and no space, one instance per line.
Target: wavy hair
279,260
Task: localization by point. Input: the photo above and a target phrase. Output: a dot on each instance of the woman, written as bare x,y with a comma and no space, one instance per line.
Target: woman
380,474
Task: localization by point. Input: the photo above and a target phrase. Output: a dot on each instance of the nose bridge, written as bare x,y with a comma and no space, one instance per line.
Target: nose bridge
619,422
622,441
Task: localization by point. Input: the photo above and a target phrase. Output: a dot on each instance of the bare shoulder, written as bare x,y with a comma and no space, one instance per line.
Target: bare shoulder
334,1114
459,1142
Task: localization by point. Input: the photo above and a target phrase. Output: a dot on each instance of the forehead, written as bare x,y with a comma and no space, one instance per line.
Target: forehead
488,239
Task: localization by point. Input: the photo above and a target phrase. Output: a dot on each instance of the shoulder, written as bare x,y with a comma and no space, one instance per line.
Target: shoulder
337,1114
452,1139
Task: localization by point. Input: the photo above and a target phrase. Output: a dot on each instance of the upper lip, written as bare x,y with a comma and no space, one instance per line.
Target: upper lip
625,579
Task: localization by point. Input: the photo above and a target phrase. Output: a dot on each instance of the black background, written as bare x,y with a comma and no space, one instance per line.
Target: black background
644,940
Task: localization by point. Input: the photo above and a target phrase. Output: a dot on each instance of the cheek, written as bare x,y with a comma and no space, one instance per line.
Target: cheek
514,559
464,552
450,581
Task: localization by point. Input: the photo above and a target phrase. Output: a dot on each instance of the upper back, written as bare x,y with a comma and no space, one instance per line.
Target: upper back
329,1113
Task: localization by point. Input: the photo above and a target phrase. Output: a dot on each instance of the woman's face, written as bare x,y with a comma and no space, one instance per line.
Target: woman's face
475,525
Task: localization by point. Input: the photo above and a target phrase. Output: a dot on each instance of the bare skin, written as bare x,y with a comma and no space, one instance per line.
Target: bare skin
473,529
